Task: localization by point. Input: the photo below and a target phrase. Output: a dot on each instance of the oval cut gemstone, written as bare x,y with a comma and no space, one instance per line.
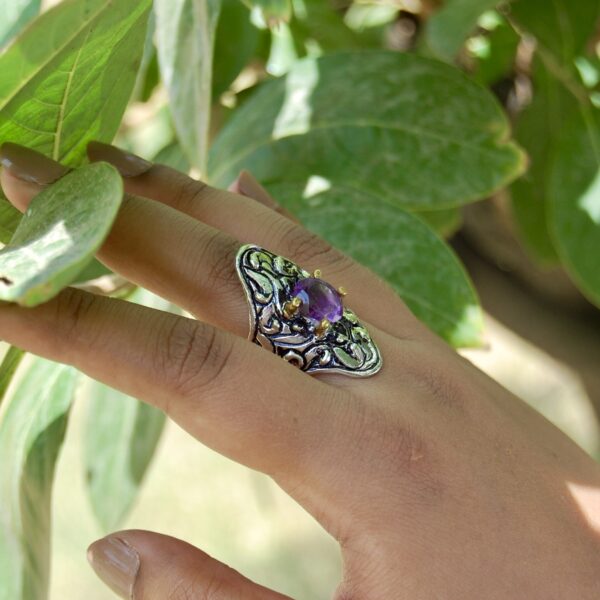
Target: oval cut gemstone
319,300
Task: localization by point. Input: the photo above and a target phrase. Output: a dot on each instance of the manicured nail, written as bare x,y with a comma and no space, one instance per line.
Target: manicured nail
247,185
29,165
116,563
129,165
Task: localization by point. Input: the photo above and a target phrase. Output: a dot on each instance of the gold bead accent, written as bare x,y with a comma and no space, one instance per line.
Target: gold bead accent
323,327
291,307
317,273
342,291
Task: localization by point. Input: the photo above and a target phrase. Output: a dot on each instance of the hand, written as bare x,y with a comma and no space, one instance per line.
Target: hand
436,482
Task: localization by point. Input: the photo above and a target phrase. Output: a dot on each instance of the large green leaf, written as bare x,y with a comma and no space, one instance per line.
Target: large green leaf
121,437
401,249
68,79
574,191
448,29
15,15
413,130
61,231
185,31
31,433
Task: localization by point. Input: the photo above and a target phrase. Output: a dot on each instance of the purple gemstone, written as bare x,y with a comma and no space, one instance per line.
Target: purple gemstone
319,300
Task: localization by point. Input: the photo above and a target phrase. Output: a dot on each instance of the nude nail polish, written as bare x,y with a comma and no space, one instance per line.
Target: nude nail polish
31,166
247,185
117,563
128,164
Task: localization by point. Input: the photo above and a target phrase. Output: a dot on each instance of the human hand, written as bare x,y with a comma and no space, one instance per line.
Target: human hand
436,482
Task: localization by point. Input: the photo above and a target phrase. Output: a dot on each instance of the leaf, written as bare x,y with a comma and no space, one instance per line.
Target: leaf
229,59
68,79
10,362
272,12
61,231
401,249
444,222
185,31
562,27
15,15
121,437
415,131
32,430
447,29
537,129
574,193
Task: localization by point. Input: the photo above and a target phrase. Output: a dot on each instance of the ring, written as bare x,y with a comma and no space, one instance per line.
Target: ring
301,318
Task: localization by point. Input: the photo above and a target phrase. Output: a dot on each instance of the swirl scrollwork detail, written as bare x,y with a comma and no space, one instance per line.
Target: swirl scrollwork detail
268,280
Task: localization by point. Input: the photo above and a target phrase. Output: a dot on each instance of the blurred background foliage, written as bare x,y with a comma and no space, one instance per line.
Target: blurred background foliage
453,147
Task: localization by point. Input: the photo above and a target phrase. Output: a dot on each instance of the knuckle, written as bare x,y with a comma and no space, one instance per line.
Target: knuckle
188,192
220,254
195,357
313,250
72,308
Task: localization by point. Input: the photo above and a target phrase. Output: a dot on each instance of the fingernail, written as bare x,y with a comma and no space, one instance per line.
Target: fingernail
116,563
31,166
247,185
129,165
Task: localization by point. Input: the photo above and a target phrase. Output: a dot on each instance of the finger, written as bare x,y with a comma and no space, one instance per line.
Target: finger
142,565
210,382
253,222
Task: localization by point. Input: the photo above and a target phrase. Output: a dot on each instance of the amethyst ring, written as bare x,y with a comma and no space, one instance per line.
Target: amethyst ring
302,318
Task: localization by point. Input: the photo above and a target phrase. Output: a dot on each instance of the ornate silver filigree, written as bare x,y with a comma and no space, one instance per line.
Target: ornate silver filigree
268,280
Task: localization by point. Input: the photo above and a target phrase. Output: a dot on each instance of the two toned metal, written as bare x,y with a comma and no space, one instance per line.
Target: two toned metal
278,323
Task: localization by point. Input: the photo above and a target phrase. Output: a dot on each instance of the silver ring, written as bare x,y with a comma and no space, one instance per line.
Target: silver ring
301,318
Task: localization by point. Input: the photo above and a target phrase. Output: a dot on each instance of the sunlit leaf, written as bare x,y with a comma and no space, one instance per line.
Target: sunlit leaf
68,79
272,12
32,429
121,437
400,248
415,131
10,362
185,31
61,231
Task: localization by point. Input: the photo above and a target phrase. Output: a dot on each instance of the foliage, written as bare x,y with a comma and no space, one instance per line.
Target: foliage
372,124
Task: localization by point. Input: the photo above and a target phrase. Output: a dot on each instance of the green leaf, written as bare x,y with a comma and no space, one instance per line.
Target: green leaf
448,29
574,191
415,131
121,438
15,15
444,222
185,31
10,362
68,79
172,156
562,27
61,231
229,59
537,129
401,249
32,430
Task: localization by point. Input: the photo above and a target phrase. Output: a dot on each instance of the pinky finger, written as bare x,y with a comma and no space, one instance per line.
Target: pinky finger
142,565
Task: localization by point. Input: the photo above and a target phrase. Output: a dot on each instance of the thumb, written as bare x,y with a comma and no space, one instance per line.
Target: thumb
141,565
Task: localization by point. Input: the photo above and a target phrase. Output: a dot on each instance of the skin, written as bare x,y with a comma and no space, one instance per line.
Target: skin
437,482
